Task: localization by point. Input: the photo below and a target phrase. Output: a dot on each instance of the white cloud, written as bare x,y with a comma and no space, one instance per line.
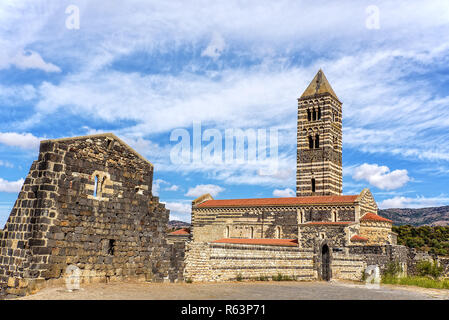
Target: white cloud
215,47
201,189
158,183
32,60
6,164
380,176
284,193
418,202
11,186
172,188
179,210
21,140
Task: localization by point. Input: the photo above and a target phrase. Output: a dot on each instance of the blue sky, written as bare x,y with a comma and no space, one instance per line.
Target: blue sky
141,69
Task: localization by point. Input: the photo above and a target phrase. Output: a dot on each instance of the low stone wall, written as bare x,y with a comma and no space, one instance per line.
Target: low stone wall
347,267
224,262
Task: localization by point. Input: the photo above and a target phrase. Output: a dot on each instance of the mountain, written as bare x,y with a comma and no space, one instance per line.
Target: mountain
176,224
433,216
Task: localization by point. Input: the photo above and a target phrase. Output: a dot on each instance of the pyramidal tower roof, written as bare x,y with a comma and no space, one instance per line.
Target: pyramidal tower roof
318,86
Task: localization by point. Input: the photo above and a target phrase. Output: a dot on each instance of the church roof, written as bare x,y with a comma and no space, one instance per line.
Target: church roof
278,201
181,232
374,217
357,238
319,86
266,242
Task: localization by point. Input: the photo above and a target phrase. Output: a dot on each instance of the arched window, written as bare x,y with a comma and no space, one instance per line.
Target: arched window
309,115
319,113
103,182
313,185
334,216
310,142
278,232
96,186
314,114
251,233
228,232
317,141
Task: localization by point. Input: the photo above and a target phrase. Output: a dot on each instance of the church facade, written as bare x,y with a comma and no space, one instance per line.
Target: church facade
334,235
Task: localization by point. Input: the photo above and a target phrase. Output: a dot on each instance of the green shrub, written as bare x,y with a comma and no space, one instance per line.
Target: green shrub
263,278
188,280
239,277
429,269
393,269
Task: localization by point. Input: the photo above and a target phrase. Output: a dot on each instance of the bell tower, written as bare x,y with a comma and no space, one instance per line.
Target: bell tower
319,140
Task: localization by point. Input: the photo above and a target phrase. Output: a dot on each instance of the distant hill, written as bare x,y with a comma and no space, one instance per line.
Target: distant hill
434,216
176,224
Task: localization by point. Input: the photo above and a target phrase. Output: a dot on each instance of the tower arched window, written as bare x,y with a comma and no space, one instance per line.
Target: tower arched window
334,216
313,185
228,232
309,115
314,114
251,232
319,113
96,186
317,141
310,142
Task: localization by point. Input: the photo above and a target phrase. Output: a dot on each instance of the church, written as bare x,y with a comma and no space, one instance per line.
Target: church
320,221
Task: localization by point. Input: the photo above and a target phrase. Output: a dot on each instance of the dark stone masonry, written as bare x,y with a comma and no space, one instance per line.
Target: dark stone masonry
87,202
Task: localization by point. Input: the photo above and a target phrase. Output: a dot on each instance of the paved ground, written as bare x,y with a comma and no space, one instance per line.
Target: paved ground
239,291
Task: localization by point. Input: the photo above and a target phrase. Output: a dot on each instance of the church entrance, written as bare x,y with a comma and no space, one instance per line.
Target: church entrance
325,263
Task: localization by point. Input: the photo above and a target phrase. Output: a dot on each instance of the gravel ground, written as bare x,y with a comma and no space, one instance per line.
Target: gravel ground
237,291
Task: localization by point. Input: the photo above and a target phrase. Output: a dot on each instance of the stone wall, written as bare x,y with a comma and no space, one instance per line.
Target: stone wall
222,262
347,267
86,202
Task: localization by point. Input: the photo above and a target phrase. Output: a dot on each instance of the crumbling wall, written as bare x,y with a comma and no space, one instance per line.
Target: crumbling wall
86,202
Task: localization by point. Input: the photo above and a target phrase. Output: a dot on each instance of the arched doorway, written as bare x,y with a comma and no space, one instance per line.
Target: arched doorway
325,263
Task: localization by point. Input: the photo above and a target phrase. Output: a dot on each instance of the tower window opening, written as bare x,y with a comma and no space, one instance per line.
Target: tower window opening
96,186
313,185
314,115
319,113
111,247
309,115
317,141
310,142
228,233
251,232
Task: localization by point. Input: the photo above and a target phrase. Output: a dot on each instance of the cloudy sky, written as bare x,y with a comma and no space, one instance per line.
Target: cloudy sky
144,69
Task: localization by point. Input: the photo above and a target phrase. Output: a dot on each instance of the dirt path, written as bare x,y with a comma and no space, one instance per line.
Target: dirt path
237,291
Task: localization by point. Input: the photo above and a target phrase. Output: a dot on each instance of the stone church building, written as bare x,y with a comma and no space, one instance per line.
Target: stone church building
325,233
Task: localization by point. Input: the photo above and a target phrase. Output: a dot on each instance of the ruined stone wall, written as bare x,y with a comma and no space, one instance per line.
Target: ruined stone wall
223,262
86,202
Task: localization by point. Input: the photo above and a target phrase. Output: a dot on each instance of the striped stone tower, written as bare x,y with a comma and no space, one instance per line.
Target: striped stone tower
319,158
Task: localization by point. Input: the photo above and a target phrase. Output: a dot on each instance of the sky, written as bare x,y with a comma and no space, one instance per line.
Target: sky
152,72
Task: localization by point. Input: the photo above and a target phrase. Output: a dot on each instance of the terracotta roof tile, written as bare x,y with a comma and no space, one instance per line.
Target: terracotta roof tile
374,217
267,242
358,238
183,231
278,201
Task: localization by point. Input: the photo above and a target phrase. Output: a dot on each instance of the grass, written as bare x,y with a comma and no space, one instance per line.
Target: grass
424,282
